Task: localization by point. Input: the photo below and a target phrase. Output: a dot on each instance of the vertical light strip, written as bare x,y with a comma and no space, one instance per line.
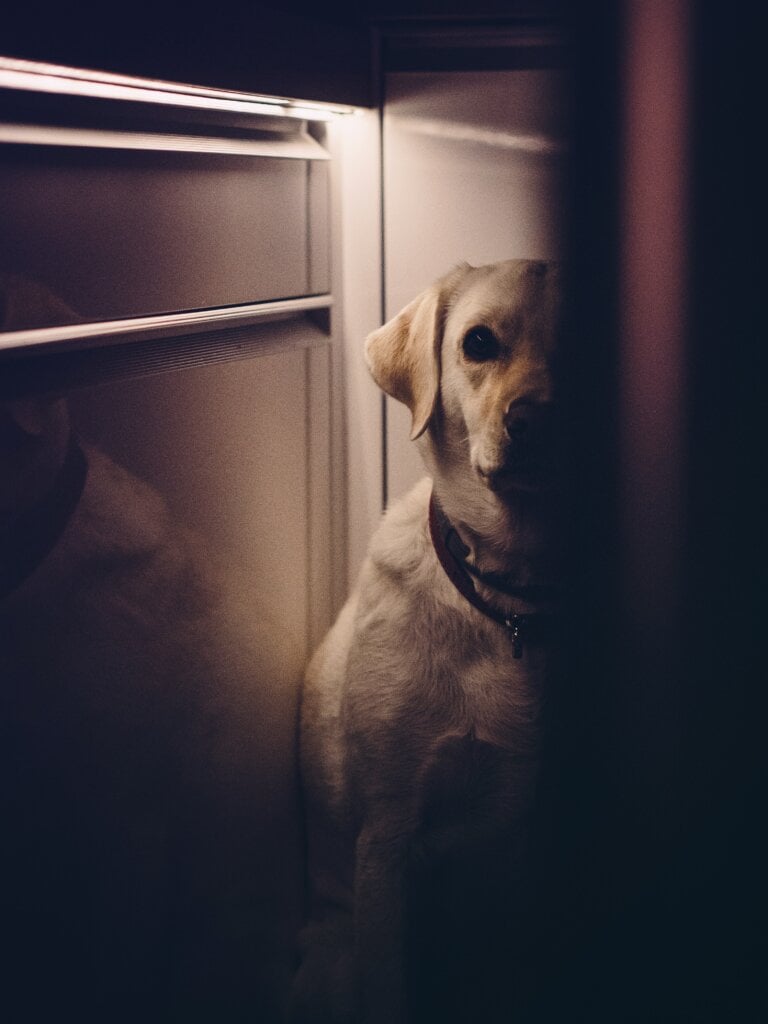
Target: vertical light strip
655,176
378,78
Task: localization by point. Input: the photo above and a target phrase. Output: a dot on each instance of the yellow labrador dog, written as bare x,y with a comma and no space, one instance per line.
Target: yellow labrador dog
419,715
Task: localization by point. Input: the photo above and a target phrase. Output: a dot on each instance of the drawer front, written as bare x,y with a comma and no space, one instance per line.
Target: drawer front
95,234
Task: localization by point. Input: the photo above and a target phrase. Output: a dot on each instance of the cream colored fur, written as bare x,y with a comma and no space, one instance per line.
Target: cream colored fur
413,686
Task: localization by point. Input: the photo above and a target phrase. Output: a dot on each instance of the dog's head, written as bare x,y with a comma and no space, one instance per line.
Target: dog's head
472,358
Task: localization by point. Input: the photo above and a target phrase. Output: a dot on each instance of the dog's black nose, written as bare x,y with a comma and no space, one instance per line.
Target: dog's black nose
531,423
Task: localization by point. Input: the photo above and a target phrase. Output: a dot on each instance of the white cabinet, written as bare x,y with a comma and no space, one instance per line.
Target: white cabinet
117,233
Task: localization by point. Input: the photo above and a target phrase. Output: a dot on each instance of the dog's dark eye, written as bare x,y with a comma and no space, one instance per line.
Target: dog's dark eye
480,345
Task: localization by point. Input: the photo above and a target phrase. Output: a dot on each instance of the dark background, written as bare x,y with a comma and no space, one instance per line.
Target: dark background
307,50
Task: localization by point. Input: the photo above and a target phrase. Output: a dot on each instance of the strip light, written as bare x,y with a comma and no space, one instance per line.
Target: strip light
55,79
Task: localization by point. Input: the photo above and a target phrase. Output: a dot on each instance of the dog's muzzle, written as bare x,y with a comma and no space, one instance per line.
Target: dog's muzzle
530,451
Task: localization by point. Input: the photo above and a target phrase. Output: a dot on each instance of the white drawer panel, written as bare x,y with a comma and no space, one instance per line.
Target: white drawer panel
110,234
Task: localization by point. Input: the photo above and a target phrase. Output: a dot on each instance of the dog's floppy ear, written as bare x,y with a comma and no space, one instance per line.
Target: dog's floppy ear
404,355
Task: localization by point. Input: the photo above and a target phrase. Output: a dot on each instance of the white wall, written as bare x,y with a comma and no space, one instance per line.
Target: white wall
473,165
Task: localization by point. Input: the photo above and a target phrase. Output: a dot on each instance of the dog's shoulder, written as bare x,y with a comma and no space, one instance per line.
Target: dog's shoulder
401,544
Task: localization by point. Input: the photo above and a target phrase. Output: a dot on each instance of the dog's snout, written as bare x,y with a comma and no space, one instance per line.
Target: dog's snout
529,455
532,421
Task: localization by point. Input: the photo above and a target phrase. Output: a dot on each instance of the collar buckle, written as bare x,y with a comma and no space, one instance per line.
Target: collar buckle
516,625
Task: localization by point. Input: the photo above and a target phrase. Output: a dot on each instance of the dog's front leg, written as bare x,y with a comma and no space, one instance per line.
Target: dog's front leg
380,924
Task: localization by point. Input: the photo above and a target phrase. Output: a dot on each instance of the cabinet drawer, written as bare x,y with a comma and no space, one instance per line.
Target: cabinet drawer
116,233
132,208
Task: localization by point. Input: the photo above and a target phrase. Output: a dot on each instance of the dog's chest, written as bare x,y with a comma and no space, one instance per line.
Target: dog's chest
498,698
477,770
468,787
